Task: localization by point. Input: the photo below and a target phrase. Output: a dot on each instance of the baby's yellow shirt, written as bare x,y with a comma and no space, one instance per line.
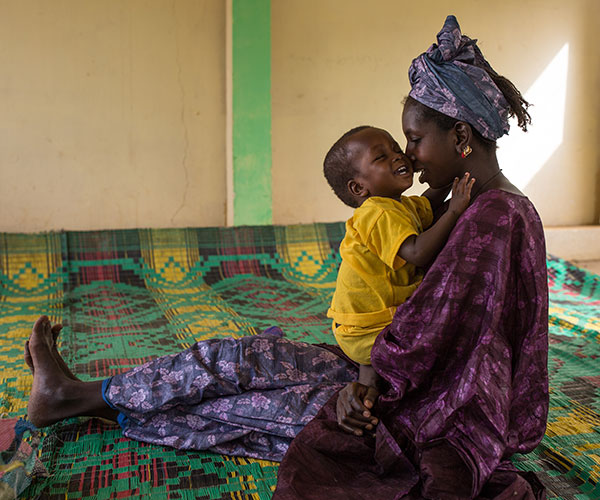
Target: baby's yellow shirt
373,280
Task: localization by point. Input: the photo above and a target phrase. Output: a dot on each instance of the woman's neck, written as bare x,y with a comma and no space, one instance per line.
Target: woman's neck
488,175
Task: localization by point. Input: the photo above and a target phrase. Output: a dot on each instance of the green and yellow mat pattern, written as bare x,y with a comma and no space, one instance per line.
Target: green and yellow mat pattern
125,297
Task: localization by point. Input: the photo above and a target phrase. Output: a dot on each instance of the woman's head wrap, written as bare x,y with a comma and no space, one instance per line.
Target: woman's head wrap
451,78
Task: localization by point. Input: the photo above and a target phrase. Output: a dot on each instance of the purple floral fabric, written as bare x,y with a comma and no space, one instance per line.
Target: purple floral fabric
450,78
465,367
248,396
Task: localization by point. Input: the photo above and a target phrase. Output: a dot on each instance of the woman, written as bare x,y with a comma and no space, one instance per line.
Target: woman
462,369
463,364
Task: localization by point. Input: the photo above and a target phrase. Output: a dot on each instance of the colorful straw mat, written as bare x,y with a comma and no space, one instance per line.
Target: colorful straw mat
125,297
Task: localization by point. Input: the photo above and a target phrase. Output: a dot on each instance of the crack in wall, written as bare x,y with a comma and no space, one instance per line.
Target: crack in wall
186,142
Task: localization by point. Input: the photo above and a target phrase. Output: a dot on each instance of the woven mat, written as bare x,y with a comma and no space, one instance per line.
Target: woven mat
125,297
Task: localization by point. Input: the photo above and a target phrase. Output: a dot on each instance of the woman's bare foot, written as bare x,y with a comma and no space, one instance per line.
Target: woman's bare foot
51,386
56,395
61,362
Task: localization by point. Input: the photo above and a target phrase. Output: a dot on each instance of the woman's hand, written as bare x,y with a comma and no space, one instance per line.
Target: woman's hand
355,402
354,405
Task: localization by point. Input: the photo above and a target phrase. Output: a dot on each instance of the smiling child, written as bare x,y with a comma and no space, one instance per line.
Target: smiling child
389,237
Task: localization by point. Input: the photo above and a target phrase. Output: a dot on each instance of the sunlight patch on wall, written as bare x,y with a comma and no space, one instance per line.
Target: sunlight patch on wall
522,155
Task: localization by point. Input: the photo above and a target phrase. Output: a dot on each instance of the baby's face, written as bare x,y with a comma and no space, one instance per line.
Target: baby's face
383,169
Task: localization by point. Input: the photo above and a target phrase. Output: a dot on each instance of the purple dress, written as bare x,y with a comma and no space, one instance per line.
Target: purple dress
464,364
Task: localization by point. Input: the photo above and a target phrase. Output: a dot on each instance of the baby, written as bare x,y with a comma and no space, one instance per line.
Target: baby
389,237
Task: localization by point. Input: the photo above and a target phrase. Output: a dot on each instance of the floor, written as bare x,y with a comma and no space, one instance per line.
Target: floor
590,265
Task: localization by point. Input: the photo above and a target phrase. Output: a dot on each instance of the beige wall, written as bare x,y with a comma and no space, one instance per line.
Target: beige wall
113,114
341,63
113,111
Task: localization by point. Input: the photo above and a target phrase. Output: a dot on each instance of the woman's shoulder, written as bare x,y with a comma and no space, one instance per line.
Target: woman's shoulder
502,189
500,205
502,196
505,185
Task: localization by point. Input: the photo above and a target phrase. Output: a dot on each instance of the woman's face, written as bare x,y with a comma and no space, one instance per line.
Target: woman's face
431,149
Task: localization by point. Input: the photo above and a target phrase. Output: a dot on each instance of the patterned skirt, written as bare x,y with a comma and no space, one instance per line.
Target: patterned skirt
249,396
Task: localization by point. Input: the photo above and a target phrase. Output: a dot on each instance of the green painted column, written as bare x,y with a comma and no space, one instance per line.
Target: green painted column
251,111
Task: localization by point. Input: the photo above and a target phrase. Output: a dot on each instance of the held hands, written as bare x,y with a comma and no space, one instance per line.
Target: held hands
354,405
461,194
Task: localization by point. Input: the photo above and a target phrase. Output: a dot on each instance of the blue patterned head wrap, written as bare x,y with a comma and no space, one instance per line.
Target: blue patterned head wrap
450,78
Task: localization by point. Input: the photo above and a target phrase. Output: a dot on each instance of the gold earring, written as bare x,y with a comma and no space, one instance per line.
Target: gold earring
466,151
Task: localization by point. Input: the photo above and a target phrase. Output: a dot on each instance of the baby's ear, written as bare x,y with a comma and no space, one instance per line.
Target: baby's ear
357,189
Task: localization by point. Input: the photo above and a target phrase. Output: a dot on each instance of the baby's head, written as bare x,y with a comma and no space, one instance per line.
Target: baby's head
364,162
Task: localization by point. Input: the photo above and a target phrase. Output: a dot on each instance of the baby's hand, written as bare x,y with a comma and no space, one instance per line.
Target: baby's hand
461,194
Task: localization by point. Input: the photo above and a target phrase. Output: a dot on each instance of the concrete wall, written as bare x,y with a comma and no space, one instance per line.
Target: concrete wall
114,111
113,114
337,64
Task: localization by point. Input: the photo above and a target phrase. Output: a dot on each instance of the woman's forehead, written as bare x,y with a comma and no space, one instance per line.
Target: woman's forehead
411,118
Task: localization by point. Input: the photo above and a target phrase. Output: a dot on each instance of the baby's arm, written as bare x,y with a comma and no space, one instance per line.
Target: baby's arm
421,249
